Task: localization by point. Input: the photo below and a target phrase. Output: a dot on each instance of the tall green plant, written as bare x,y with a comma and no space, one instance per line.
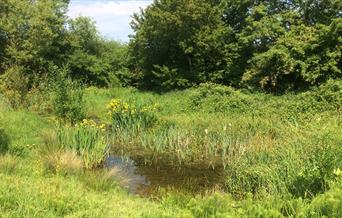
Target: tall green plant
129,116
87,139
68,100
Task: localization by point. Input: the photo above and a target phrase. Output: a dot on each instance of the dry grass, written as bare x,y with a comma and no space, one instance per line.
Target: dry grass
62,162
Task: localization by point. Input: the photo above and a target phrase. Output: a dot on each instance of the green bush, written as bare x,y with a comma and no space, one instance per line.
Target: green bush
218,98
14,86
4,141
330,94
168,79
68,100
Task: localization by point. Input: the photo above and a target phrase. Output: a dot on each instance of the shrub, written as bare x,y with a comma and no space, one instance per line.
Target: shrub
330,94
39,96
14,86
87,139
68,100
4,141
218,98
168,78
129,116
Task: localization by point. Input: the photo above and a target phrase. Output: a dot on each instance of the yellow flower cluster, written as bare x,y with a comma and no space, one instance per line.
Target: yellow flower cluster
92,123
117,105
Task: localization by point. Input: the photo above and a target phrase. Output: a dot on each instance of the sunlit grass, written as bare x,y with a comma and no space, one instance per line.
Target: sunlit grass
279,159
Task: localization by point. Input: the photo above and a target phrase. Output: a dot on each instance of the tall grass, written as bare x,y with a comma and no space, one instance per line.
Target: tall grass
281,156
131,116
283,145
87,139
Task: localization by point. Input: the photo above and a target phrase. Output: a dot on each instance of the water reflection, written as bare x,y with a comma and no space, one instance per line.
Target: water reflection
142,179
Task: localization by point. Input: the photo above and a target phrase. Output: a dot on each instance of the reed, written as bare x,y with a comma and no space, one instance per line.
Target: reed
87,139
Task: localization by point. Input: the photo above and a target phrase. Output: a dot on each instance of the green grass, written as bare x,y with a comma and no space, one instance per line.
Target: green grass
281,156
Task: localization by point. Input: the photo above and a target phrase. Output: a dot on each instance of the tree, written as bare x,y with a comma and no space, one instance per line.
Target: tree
32,34
91,58
182,41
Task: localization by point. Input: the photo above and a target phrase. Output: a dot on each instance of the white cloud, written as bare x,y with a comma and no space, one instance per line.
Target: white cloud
112,17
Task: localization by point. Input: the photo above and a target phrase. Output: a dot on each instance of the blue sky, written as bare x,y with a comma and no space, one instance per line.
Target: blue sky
112,17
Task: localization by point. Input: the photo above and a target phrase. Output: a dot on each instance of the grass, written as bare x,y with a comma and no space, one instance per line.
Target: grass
281,156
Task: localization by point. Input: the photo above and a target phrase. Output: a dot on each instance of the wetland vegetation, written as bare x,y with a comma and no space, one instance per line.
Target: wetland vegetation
243,120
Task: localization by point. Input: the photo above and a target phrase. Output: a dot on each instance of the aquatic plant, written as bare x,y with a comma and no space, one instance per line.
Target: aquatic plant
131,116
87,139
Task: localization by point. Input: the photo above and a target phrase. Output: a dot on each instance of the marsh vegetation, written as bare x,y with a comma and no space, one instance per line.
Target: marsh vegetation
236,114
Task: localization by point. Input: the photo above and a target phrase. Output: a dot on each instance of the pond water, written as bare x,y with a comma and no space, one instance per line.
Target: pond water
146,180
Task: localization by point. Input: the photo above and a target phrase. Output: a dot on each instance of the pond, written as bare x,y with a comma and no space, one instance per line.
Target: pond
146,180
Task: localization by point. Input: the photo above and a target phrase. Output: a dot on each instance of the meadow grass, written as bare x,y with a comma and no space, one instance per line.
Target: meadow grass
281,155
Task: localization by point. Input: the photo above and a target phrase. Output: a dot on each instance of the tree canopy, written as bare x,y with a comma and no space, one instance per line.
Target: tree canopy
269,45
274,45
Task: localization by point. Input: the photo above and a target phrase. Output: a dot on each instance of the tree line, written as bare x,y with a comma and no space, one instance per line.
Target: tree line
273,45
269,45
37,36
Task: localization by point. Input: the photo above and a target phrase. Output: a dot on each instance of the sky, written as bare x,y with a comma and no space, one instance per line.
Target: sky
112,17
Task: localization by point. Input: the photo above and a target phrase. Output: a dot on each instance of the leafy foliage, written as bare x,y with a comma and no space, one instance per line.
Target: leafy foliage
68,100
274,46
178,43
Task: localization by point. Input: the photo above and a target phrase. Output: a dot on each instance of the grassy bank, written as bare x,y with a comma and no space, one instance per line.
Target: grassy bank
281,155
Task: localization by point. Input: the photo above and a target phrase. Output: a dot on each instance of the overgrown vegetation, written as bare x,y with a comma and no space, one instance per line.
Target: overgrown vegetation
262,151
262,109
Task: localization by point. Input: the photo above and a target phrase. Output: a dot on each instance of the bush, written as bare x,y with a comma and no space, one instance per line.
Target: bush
218,98
330,94
14,86
68,100
326,97
4,141
168,79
